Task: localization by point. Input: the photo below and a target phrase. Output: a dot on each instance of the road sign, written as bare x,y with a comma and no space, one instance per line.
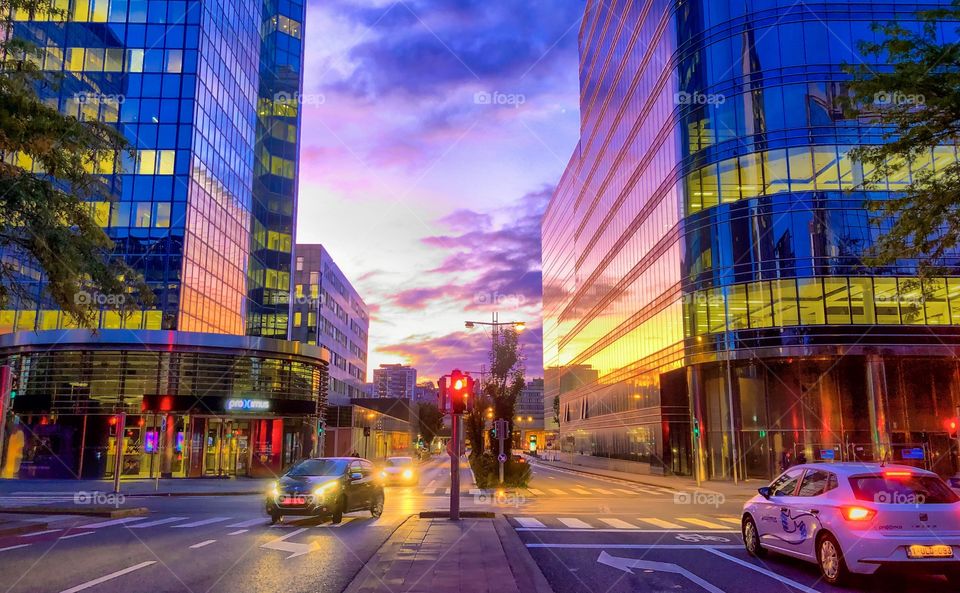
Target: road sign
502,458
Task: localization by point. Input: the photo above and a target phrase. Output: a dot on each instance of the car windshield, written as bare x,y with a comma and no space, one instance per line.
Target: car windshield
318,467
399,461
905,489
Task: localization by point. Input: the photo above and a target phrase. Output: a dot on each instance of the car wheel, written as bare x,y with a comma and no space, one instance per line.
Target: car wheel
953,577
751,538
376,507
337,515
830,558
275,518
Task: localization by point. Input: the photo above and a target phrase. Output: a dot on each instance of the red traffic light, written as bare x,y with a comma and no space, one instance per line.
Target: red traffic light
951,425
459,391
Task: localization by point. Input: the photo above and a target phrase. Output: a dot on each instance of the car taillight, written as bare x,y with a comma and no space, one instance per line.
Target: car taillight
858,514
897,474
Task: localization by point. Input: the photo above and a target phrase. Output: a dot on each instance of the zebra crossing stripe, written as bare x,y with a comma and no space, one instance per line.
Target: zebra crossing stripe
529,522
113,522
733,520
701,522
157,522
660,523
248,523
617,523
557,491
580,491
202,522
624,491
535,491
602,491
574,523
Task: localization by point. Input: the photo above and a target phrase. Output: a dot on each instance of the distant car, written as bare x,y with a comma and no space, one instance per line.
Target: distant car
400,470
326,487
519,458
857,518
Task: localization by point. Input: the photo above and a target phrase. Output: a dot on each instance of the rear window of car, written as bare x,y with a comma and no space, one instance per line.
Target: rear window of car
913,489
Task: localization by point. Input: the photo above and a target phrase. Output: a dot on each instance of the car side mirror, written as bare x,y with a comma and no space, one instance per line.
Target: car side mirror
356,476
764,492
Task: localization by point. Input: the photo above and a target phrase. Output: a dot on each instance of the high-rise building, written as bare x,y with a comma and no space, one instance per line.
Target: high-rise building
705,306
328,312
207,94
427,392
528,422
395,381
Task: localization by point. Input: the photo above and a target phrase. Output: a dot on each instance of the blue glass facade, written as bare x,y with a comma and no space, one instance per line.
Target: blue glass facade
703,252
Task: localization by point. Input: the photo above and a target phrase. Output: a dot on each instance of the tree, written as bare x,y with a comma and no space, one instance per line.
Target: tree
556,410
916,100
506,379
51,165
474,424
430,420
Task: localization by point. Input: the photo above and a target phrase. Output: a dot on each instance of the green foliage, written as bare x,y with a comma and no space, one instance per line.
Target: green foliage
556,410
506,379
44,215
915,101
486,470
431,420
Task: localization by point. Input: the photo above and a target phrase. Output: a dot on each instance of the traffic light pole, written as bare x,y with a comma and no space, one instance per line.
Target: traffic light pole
457,431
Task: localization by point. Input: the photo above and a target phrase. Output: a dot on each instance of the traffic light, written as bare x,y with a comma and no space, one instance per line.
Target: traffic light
951,426
459,390
696,428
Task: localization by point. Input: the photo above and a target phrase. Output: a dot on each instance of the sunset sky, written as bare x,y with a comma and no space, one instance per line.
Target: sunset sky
433,135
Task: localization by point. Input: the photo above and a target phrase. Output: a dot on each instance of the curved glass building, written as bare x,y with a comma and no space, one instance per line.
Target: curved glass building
706,307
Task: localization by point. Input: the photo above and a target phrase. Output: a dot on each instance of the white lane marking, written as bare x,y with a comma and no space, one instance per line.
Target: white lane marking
763,571
641,546
646,491
604,530
202,544
701,523
282,545
529,522
113,522
617,523
202,522
109,577
81,534
238,532
157,522
660,523
574,523
628,564
40,532
475,492
14,547
431,483
249,523
601,491
624,491
581,491
535,491
733,520
558,491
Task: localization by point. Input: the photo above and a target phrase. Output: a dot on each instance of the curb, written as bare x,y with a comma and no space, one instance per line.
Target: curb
174,494
22,529
526,572
589,473
463,514
89,512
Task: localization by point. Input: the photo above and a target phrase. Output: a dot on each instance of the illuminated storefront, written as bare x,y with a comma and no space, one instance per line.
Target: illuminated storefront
184,404
706,308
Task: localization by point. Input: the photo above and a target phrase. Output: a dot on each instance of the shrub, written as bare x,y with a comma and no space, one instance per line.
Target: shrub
486,470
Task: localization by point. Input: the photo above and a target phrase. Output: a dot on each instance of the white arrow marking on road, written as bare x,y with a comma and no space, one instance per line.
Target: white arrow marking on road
763,571
285,546
108,577
627,564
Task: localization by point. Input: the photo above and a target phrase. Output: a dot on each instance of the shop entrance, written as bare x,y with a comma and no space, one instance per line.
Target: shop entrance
219,446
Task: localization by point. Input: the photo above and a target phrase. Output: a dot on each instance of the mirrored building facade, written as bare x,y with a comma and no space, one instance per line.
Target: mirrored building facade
208,96
707,309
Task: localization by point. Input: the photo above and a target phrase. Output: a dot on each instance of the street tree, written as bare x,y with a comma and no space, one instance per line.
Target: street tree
51,164
430,420
915,101
506,379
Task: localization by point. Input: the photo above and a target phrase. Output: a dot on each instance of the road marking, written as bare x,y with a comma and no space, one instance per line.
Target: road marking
157,522
529,522
475,492
734,520
14,547
606,530
203,543
284,546
618,523
641,546
701,523
580,491
40,532
646,491
113,522
81,534
342,522
762,571
109,577
535,491
238,532
249,523
558,491
660,523
624,491
574,523
202,522
601,491
431,483
628,564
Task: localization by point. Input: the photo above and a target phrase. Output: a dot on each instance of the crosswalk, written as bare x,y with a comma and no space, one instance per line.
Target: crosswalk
541,523
11,502
577,491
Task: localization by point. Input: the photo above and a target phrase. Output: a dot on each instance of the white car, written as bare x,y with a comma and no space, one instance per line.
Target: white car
857,518
400,470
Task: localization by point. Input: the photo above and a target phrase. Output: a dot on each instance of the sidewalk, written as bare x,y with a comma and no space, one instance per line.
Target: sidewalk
743,490
138,487
439,555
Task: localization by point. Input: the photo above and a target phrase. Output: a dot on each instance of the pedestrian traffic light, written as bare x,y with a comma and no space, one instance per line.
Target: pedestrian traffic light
459,390
951,425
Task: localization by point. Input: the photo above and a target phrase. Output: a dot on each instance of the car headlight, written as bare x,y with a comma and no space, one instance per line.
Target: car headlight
407,474
383,474
274,489
326,488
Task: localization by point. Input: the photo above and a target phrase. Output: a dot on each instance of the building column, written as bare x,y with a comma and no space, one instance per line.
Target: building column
168,446
695,393
877,405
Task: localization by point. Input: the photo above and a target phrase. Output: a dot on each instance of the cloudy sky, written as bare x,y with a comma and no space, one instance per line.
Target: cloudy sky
434,132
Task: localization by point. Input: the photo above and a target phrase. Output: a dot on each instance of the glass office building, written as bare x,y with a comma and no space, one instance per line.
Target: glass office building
207,94
706,307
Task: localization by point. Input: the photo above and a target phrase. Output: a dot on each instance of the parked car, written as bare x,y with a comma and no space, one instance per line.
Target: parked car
326,487
857,518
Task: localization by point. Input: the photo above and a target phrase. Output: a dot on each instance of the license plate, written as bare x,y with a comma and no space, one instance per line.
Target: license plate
937,551
293,500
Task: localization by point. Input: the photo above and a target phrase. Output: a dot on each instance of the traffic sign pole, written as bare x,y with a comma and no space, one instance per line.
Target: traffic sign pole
501,436
457,429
